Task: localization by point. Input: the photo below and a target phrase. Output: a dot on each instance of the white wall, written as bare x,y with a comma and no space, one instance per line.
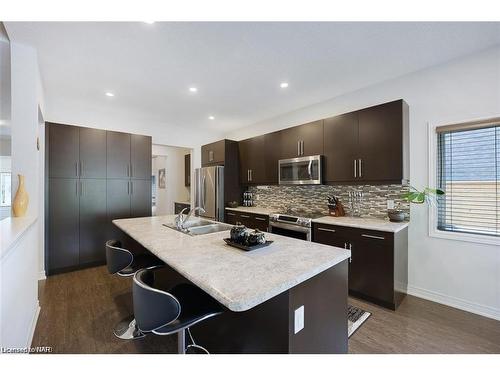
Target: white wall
175,190
19,296
461,274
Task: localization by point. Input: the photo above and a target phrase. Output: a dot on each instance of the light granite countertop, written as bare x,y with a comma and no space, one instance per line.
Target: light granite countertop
253,210
363,222
237,279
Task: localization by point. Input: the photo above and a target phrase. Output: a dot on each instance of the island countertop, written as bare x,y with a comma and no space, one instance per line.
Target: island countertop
239,280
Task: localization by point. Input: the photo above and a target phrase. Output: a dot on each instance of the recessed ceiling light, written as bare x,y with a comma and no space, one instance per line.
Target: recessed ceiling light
284,85
193,89
110,94
149,22
211,117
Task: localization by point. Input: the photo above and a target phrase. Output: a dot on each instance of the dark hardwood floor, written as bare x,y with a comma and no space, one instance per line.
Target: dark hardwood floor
79,310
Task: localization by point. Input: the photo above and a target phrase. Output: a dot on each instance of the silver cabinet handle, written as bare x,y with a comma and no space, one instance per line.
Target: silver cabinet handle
245,216
131,172
248,174
372,236
76,187
327,230
210,155
251,174
131,187
301,147
128,186
260,218
231,214
350,246
360,174
355,172
298,148
76,169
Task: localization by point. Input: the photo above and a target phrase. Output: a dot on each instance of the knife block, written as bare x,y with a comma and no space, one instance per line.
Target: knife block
338,211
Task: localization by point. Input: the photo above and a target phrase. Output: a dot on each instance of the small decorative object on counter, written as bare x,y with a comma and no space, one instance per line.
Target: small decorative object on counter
335,207
244,239
21,200
232,204
355,202
238,233
396,215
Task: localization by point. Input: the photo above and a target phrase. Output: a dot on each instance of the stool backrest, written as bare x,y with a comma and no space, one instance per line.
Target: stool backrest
117,258
153,308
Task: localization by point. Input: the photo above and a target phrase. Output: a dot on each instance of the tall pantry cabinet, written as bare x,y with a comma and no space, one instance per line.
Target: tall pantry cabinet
92,177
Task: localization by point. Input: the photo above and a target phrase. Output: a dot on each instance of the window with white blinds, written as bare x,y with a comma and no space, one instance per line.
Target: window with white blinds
468,170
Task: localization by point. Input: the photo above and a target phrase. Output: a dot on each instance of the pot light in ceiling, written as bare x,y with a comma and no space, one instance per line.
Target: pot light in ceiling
193,89
110,94
211,117
284,85
149,22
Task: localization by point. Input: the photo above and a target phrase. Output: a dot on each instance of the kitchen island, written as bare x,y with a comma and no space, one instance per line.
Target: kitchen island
265,291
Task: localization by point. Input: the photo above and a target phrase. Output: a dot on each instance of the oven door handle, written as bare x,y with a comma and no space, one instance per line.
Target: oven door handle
292,227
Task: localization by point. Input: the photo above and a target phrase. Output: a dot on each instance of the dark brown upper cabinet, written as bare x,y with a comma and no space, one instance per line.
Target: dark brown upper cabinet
118,155
340,147
252,155
64,156
302,140
187,170
380,155
140,157
92,153
367,146
213,153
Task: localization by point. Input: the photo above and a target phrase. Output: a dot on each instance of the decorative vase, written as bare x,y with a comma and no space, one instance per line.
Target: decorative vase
20,203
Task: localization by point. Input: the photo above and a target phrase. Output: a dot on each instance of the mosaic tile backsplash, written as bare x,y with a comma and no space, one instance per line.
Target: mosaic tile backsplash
313,198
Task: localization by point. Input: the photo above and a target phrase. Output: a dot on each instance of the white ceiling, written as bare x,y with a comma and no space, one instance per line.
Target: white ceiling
237,67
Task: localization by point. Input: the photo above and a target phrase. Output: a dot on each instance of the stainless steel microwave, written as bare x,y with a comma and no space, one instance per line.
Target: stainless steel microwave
306,170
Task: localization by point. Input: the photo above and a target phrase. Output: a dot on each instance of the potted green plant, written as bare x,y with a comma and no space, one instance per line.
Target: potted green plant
427,195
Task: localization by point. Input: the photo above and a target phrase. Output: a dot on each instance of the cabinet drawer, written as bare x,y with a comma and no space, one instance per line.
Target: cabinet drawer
331,234
231,217
373,236
261,222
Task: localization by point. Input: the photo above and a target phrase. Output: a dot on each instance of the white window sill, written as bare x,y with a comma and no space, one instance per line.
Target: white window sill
467,237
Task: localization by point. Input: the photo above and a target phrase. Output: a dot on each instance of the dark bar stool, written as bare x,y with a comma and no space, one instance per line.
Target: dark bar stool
174,311
122,262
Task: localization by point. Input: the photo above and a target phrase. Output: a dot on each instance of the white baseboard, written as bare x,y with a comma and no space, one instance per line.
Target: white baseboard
31,333
476,308
41,275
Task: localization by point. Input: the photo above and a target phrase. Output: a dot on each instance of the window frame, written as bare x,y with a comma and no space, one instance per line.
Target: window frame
432,180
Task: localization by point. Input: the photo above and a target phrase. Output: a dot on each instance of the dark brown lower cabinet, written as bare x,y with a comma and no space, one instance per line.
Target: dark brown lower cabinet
140,198
92,221
252,221
378,268
64,240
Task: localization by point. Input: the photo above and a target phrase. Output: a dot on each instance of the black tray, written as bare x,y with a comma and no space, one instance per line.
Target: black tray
246,248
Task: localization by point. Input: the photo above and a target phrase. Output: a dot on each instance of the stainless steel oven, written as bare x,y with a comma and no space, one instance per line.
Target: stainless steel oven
306,170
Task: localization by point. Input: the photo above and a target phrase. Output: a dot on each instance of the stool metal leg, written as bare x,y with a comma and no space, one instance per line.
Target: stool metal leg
127,329
181,342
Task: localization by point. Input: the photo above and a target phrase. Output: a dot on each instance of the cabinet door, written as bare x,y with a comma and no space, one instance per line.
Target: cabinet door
252,155
141,157
371,267
63,151
231,217
303,140
340,147
331,235
92,153
213,153
140,198
92,220
187,170
117,206
261,222
245,219
311,136
118,155
63,223
381,142
272,155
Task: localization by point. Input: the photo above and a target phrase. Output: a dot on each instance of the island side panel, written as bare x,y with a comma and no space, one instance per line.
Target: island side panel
324,298
260,330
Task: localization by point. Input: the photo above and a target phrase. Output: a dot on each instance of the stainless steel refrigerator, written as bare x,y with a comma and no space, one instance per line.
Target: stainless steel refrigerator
209,191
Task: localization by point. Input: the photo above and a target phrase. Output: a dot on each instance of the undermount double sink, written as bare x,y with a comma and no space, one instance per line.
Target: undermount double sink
197,226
